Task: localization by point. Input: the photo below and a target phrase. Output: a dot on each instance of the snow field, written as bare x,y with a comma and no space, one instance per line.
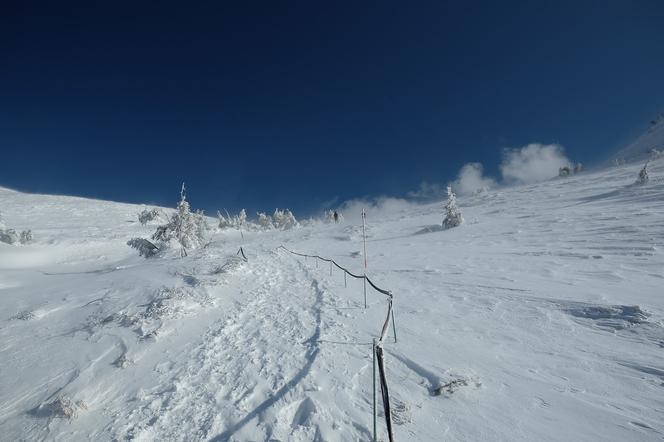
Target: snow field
539,318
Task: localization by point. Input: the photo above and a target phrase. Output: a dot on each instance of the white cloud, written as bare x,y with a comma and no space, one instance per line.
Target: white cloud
532,163
471,179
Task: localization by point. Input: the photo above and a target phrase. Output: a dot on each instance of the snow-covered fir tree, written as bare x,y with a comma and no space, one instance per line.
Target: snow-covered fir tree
643,175
453,215
189,229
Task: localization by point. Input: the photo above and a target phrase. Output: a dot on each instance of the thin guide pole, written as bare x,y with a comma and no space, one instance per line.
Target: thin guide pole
364,241
345,284
373,351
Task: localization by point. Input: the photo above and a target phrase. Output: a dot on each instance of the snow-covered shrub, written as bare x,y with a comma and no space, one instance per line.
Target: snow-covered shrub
283,219
144,247
264,221
453,216
26,237
643,175
578,168
202,226
564,171
64,407
9,236
148,215
238,221
655,154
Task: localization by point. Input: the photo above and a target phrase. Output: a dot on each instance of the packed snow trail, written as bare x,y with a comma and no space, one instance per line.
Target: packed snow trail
254,376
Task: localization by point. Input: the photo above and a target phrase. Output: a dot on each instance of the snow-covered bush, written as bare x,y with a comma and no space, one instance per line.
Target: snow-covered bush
564,171
283,219
643,175
148,215
26,237
144,247
8,236
264,221
238,221
453,216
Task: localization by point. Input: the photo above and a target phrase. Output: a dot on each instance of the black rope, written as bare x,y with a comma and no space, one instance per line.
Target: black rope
378,289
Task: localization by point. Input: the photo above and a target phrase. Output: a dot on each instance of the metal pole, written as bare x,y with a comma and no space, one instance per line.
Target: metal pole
374,389
364,241
345,284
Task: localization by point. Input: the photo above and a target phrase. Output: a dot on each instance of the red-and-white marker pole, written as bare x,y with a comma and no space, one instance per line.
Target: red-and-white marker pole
364,240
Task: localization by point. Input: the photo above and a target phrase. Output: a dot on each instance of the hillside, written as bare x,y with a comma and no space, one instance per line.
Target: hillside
543,314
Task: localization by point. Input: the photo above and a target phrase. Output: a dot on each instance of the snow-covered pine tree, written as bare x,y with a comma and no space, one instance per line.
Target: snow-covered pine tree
643,175
187,228
453,215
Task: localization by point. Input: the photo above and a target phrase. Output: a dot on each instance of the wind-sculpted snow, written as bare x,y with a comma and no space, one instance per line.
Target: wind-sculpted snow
539,318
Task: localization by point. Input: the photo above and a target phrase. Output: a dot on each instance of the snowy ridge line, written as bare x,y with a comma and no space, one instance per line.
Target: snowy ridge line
378,354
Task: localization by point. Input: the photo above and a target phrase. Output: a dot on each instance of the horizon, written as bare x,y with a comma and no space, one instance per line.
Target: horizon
306,106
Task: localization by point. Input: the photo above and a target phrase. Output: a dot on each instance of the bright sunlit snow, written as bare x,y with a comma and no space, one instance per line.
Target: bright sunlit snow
540,318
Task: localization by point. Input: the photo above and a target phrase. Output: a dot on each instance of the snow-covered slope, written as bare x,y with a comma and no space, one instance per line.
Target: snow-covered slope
546,306
641,149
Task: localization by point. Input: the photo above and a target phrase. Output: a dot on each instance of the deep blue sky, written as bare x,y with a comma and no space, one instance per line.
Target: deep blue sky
291,104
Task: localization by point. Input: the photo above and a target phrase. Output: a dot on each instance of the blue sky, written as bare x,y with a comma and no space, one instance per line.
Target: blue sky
297,104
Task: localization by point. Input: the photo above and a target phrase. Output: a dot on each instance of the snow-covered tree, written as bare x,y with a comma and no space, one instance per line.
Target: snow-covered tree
189,229
283,219
453,216
264,221
643,175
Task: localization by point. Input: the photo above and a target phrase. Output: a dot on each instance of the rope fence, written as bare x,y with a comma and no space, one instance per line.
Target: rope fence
378,354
